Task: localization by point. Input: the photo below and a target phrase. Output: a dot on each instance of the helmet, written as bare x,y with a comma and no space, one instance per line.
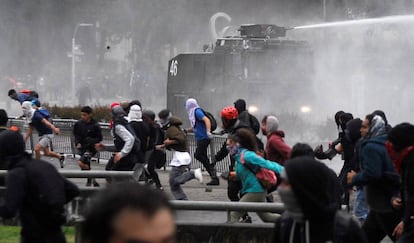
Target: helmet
229,113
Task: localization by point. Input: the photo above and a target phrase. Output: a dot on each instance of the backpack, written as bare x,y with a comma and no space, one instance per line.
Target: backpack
210,116
45,113
254,124
31,93
266,177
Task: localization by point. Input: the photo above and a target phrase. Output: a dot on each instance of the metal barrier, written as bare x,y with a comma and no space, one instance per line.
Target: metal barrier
64,142
76,208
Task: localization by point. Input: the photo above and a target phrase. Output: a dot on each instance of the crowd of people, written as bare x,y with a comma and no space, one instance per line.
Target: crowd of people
376,171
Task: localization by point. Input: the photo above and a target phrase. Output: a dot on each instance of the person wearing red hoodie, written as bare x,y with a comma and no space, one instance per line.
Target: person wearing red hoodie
276,148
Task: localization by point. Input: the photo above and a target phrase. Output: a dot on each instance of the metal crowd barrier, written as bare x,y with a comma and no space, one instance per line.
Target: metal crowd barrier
64,142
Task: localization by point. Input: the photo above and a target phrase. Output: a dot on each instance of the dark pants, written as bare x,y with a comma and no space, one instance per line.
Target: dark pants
233,190
378,225
151,170
201,155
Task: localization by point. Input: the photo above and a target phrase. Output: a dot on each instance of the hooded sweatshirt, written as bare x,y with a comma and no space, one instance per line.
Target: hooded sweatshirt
317,192
245,117
141,129
174,132
276,148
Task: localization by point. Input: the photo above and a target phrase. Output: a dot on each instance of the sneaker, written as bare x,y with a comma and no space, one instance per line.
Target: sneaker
225,175
198,175
62,161
214,182
245,219
95,184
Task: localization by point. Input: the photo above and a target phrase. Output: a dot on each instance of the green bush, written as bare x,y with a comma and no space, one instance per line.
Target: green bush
100,113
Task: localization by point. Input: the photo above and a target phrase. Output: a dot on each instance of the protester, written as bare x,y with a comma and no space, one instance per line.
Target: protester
156,157
242,145
301,149
231,123
379,179
201,126
45,129
175,140
401,144
24,96
311,194
3,120
344,147
87,133
3,127
276,148
129,212
35,190
245,117
355,137
141,130
125,146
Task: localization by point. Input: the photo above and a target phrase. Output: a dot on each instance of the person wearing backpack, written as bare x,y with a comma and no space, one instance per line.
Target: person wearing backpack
35,191
26,95
126,145
142,132
246,117
201,126
242,145
38,121
311,195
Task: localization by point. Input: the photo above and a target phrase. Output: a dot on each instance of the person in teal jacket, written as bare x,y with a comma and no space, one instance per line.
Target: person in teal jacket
243,143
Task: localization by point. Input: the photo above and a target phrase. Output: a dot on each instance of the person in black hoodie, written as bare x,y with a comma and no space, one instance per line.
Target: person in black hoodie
141,130
246,117
401,143
311,194
35,190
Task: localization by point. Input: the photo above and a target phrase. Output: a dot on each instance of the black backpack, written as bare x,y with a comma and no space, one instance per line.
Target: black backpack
254,124
210,116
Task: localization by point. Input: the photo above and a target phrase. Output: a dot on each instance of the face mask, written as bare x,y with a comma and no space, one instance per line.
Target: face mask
291,204
233,149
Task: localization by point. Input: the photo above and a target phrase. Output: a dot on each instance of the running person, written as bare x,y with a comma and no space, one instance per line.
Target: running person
45,129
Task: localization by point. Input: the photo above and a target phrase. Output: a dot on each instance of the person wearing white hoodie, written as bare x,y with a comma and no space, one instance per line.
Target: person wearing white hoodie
45,129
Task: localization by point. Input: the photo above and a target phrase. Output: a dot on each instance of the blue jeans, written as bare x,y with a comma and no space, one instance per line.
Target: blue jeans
361,209
179,175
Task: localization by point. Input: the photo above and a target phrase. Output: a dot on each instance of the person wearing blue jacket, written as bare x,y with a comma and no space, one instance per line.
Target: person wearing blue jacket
379,179
243,144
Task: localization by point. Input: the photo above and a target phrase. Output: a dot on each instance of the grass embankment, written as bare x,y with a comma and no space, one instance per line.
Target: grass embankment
11,234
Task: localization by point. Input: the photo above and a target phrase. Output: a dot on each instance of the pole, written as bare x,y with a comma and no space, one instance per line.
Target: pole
73,69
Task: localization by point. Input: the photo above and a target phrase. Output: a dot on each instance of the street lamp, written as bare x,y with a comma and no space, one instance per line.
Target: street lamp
73,56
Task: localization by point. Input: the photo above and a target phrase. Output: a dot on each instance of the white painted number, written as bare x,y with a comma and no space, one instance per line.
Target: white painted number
174,68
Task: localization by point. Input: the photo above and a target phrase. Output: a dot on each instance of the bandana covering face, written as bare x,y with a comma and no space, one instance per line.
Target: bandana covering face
191,106
377,127
28,110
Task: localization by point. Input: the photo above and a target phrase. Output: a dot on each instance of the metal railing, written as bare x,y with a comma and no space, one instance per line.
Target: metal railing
64,142
76,208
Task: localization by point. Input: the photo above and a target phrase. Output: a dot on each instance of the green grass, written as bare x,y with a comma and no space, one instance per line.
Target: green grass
11,234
